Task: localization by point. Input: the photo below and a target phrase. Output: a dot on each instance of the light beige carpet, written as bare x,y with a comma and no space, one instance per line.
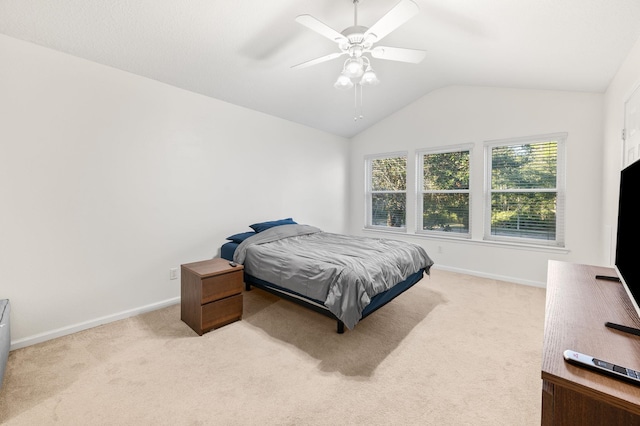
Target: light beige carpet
453,350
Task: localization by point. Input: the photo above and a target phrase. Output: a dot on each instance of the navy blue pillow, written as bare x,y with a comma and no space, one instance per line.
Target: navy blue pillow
262,226
238,238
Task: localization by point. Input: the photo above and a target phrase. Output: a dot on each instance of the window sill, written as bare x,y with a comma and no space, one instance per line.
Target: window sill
387,230
464,240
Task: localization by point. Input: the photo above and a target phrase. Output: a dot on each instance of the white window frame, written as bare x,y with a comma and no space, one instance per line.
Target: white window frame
420,189
560,138
369,192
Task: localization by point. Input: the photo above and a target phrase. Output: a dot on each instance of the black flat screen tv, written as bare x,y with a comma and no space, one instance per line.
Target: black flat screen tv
627,262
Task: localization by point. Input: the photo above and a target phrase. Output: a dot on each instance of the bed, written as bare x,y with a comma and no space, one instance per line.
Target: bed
343,277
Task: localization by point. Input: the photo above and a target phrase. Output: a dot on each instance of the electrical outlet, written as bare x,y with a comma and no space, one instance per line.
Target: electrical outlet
173,273
439,249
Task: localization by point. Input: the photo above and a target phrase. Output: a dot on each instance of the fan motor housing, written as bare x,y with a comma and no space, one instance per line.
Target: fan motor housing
355,34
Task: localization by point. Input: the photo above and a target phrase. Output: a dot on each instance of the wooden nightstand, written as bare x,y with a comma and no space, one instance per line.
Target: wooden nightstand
211,294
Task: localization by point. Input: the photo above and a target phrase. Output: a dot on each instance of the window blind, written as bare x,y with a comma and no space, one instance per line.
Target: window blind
387,191
526,197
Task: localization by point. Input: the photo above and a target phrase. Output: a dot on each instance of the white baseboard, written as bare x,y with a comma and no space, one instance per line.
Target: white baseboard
492,276
48,335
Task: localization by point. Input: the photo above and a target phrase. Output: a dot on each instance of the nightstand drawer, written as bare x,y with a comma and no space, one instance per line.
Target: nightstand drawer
221,286
221,312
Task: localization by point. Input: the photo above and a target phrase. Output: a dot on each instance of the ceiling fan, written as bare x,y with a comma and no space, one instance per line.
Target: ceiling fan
356,41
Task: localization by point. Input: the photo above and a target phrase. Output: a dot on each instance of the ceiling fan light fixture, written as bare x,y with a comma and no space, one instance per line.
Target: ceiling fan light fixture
353,67
369,78
343,82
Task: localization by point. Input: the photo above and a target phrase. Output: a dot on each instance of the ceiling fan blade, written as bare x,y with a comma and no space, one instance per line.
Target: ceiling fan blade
398,54
397,16
319,60
321,28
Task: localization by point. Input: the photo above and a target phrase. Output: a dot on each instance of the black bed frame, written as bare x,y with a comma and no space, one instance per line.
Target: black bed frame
286,294
251,281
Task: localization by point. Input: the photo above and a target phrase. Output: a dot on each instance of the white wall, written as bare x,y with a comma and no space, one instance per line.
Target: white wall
108,179
456,115
622,86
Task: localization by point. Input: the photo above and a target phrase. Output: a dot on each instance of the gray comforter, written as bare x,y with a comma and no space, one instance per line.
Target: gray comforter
342,271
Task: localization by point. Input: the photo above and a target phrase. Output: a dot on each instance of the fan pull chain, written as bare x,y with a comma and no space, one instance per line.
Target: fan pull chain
361,88
357,117
355,102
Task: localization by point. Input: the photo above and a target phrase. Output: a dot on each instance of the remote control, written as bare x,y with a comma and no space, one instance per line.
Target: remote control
607,278
233,264
604,367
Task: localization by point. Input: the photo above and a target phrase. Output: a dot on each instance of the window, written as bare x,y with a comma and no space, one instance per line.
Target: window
525,197
386,194
444,199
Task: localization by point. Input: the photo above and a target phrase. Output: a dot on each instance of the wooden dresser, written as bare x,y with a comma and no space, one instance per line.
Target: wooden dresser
211,294
577,306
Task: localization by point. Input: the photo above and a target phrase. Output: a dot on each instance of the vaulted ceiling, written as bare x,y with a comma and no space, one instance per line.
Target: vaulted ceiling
241,51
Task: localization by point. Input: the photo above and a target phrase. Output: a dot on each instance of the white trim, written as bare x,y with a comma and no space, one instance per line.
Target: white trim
386,155
447,148
510,244
530,283
625,159
63,331
526,139
387,230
